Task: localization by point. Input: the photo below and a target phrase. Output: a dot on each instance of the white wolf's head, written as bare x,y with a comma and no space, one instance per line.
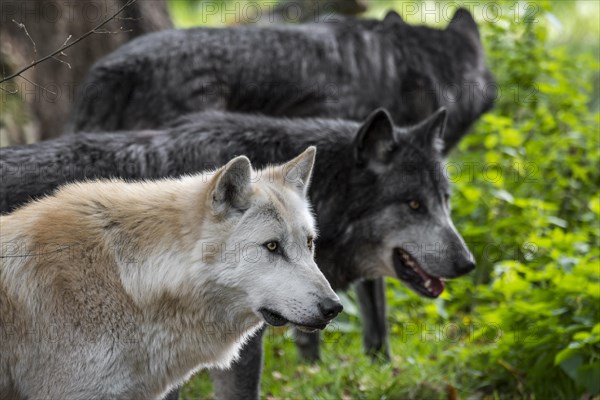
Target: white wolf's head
261,242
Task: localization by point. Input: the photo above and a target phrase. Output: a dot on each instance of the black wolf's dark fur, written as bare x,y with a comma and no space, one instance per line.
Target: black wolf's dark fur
342,69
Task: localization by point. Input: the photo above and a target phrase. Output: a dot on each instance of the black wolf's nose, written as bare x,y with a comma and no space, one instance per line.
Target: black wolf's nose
464,267
330,308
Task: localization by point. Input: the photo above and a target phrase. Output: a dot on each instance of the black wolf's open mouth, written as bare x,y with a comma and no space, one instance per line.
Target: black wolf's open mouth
409,271
275,319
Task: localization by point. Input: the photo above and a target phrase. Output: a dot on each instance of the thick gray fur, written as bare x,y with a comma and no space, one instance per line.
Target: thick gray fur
341,69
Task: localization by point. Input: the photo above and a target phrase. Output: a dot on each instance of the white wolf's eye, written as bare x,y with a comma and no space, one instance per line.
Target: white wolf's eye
414,204
310,243
272,246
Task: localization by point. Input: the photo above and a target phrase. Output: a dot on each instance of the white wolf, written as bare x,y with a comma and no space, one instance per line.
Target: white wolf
115,290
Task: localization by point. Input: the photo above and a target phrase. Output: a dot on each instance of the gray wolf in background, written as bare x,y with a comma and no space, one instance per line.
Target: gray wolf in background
343,69
139,284
379,192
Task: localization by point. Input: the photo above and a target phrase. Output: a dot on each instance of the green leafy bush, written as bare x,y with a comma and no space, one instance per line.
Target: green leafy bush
526,200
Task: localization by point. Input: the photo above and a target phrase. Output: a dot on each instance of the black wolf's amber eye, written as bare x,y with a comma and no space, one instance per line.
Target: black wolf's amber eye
272,246
414,204
310,243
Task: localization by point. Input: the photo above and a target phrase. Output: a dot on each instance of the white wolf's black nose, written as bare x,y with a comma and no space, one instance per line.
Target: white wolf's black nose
330,308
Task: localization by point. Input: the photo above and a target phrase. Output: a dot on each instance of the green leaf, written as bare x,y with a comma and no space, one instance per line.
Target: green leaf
594,204
504,195
490,141
588,376
571,364
581,336
511,137
557,221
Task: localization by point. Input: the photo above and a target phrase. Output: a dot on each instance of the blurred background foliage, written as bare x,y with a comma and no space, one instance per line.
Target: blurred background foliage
526,199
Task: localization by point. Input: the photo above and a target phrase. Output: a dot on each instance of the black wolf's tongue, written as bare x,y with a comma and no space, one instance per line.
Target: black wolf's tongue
437,286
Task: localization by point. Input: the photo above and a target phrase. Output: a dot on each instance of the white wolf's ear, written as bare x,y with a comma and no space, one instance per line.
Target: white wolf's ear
232,189
428,133
298,172
375,138
463,21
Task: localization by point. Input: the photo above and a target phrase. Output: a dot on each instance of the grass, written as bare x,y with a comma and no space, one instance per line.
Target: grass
425,361
344,372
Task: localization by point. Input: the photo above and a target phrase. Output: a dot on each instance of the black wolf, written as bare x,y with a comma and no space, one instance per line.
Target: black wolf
379,192
341,69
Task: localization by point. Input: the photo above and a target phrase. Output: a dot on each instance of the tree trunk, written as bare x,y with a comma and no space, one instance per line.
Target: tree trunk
48,23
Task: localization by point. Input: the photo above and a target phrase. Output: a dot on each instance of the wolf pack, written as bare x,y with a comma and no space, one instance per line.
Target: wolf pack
214,181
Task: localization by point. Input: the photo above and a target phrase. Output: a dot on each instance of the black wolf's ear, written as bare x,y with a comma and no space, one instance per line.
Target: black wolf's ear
375,138
233,186
428,133
297,172
463,21
393,18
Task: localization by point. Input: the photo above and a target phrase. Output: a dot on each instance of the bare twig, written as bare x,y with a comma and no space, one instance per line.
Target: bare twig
22,26
128,19
66,46
9,91
121,30
66,41
62,61
38,86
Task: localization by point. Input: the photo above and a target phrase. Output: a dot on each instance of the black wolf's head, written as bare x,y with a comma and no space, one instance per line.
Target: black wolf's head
397,215
441,68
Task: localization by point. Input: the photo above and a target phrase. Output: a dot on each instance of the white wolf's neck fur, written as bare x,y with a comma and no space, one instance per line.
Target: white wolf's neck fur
188,319
184,318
